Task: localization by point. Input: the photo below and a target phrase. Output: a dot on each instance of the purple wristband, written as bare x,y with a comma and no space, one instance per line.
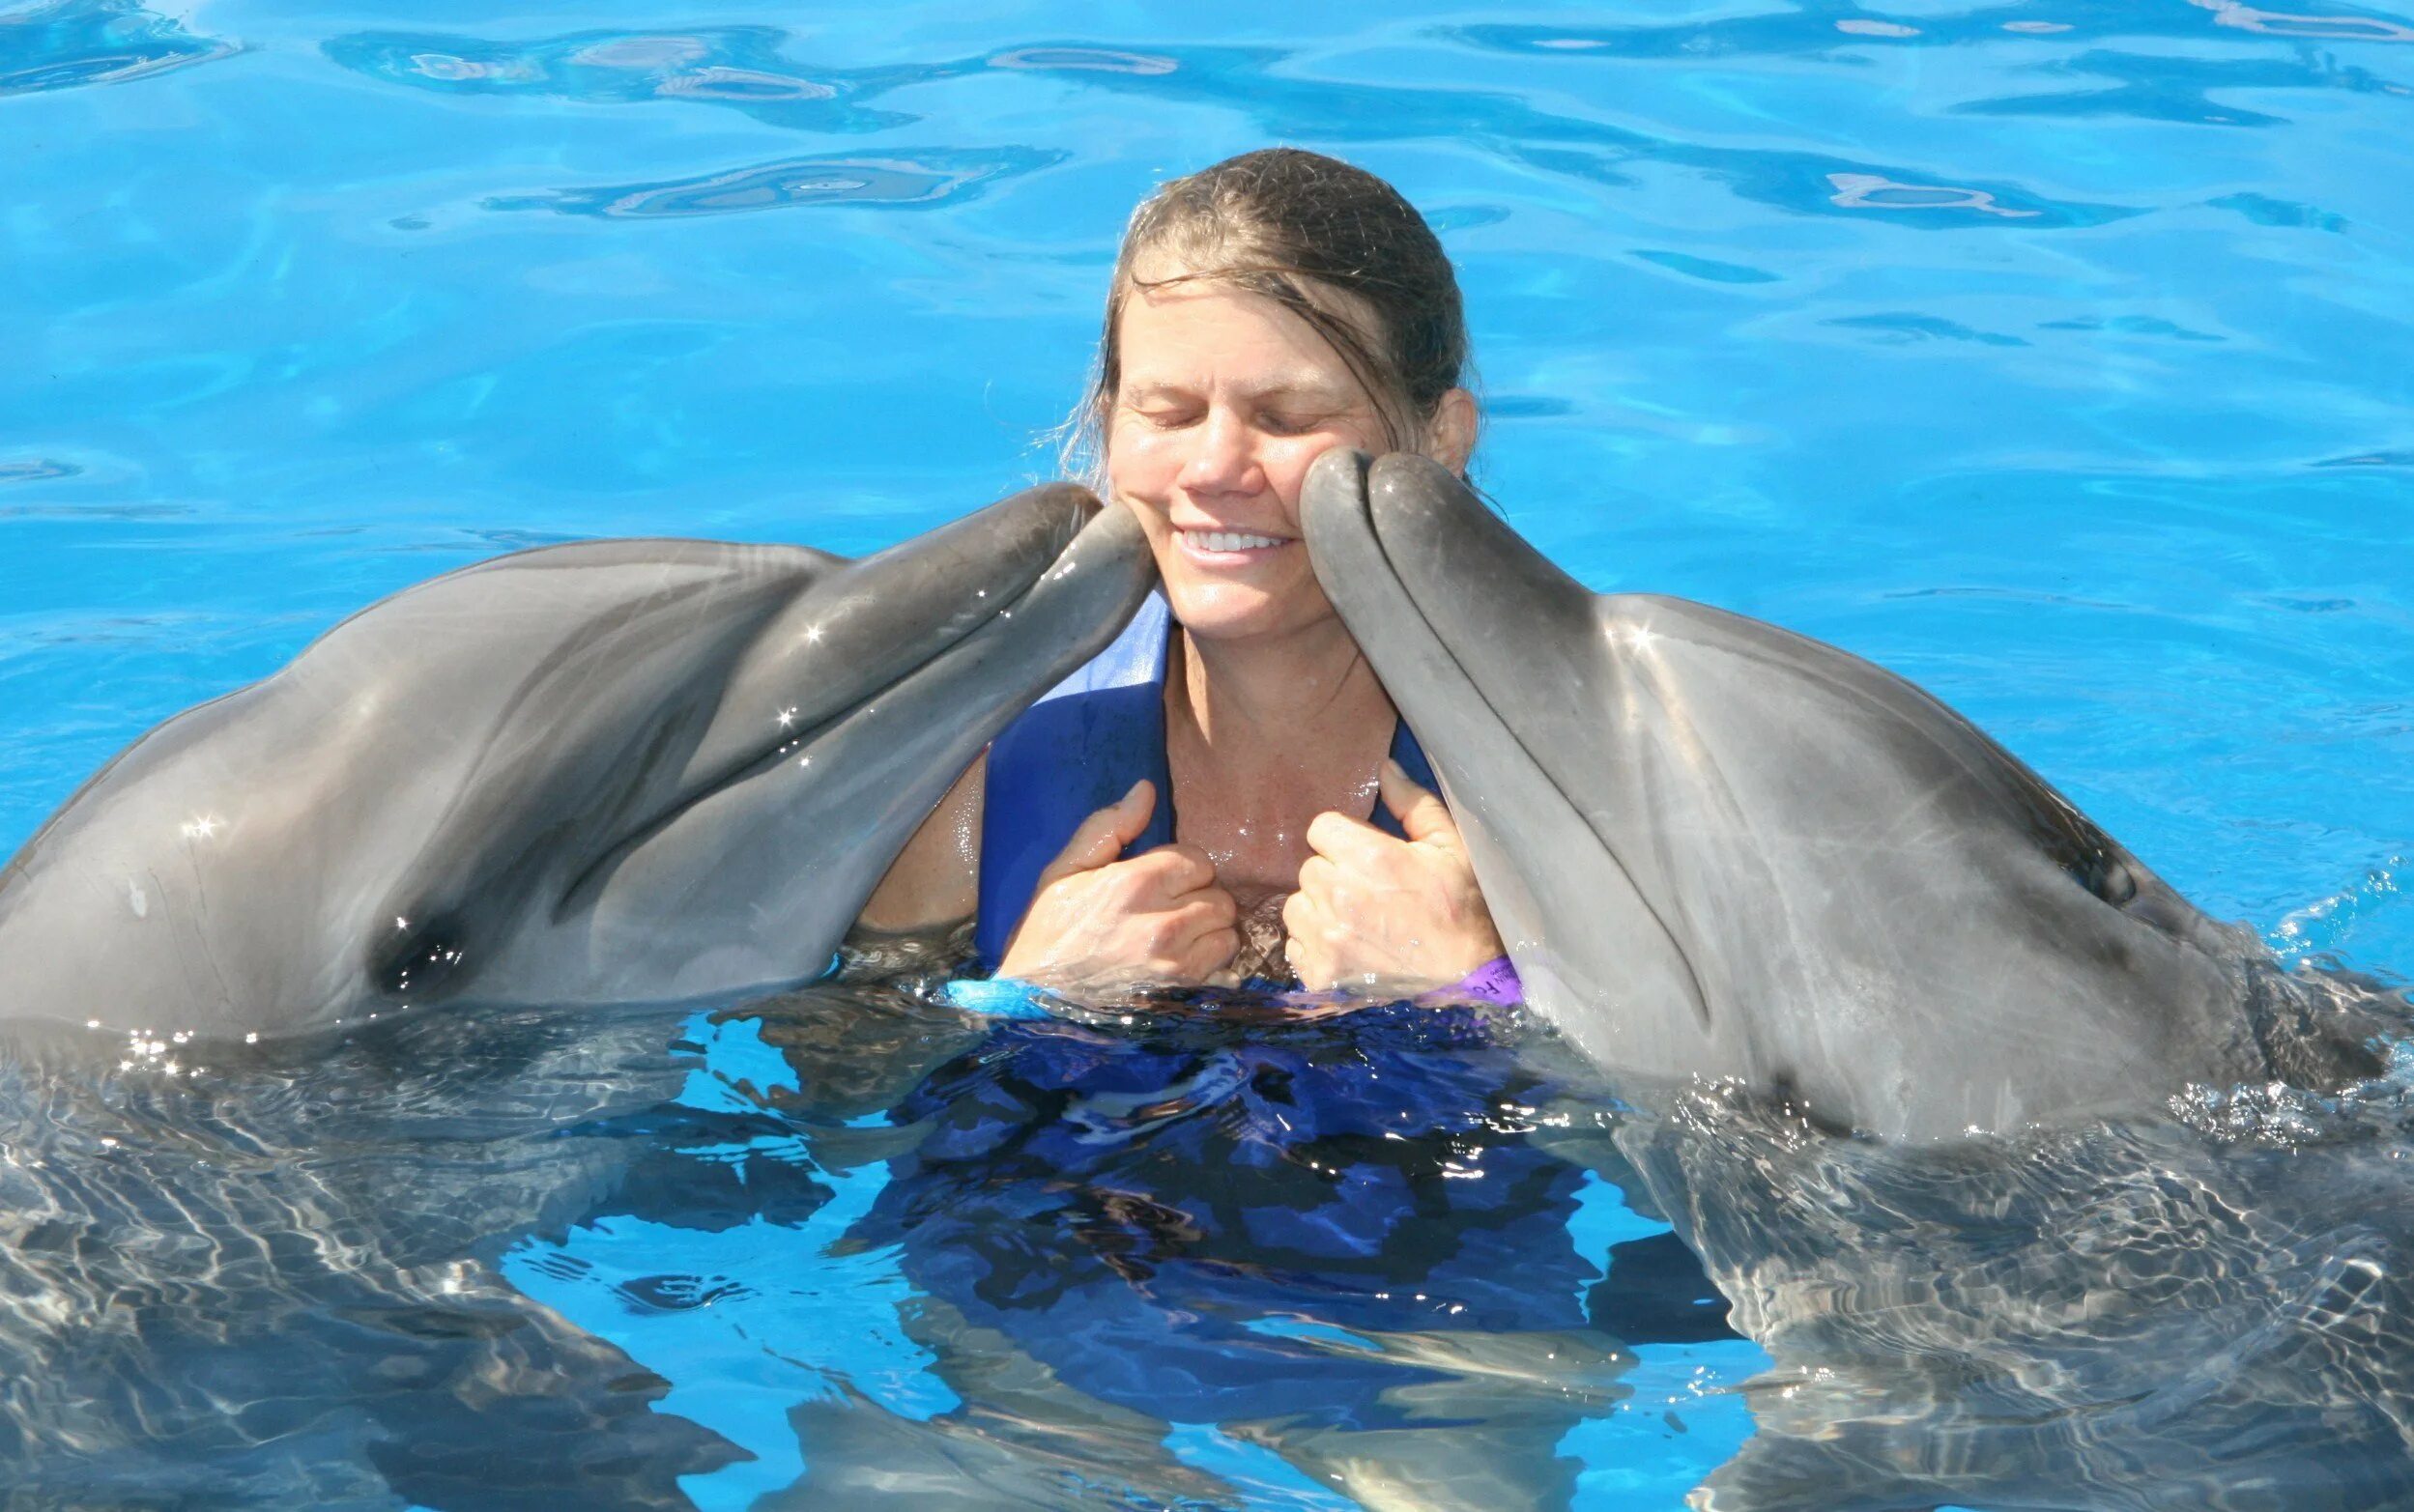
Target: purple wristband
1493,982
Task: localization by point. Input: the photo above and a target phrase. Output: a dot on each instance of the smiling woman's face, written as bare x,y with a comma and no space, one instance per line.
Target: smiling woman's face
1226,398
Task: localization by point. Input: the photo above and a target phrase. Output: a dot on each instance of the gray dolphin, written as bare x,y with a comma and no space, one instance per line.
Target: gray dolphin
1717,848
614,771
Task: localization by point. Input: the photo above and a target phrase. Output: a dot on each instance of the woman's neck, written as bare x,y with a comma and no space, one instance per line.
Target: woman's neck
1269,701
1262,736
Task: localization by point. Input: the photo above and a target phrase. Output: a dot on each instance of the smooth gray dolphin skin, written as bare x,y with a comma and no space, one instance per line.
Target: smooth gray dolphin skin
1718,848
617,771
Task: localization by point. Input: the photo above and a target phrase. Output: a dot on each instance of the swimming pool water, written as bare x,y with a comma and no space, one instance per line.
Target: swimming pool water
2053,354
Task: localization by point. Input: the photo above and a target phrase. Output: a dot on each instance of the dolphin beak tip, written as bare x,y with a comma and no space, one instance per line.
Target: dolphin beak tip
1339,476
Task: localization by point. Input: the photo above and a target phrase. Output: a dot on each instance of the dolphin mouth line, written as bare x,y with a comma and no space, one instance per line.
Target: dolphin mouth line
1693,982
788,742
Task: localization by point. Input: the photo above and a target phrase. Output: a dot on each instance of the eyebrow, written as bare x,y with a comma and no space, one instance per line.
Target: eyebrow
1292,387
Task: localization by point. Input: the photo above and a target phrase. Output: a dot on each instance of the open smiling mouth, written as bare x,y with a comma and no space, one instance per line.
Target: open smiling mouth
1226,543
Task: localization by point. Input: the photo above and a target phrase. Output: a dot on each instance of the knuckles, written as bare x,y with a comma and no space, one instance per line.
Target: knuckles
1172,868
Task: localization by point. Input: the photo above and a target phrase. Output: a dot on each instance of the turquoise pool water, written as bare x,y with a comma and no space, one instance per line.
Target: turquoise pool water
2053,354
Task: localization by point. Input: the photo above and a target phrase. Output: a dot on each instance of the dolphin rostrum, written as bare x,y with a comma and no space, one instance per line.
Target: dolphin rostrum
1720,849
613,771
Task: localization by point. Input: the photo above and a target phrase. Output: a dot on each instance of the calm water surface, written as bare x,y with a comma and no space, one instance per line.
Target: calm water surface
2053,354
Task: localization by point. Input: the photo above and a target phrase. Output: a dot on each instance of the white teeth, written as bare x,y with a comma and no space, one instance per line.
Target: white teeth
1229,540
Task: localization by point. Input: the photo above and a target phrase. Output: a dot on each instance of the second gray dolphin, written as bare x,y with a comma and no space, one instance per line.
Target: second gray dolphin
1717,848
614,771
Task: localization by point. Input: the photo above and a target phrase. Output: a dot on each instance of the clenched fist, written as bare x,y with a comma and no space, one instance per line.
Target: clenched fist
1377,914
1098,924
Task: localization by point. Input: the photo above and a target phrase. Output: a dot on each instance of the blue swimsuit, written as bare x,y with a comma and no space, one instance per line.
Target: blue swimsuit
1080,748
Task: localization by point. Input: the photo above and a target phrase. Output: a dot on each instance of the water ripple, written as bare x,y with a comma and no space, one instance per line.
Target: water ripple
69,43
2264,210
36,469
2352,26
1098,60
1709,269
927,178
2159,88
1251,81
1819,29
743,67
1903,326
2132,326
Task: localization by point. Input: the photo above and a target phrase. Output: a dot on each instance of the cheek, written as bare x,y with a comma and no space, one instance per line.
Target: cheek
1286,463
1140,464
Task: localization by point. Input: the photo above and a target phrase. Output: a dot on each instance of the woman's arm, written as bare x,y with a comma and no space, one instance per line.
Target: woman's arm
936,879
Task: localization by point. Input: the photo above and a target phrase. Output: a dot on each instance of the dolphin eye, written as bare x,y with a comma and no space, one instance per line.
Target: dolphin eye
421,959
2085,854
2105,874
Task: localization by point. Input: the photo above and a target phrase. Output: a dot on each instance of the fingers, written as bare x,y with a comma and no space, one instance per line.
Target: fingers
1169,871
1355,845
1308,930
1351,844
1202,936
1374,911
1198,934
1421,813
1102,837
1206,957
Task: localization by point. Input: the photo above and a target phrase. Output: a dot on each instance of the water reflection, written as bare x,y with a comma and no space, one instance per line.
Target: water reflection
2183,90
746,69
2161,83
762,1284
2265,211
1253,82
914,178
1872,191
36,469
1098,60
1816,28
1181,1259
2212,1313
740,68
1708,269
267,1281
68,42
1906,325
2363,26
852,1236
2131,325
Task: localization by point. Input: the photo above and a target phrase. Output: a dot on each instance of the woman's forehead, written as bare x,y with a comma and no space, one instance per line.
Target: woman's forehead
1180,334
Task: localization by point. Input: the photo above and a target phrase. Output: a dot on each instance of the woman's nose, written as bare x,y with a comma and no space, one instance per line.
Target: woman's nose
1223,457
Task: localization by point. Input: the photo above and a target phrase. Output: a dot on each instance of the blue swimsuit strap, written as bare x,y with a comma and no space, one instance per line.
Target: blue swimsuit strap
1080,748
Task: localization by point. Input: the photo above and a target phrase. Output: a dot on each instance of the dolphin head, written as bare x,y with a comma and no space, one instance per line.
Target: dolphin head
616,770
1719,848
726,818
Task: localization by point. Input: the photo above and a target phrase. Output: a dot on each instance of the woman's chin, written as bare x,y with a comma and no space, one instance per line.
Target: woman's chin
1240,612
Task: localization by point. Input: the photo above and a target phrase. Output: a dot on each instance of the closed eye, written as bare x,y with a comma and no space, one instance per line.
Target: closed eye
1273,424
1168,417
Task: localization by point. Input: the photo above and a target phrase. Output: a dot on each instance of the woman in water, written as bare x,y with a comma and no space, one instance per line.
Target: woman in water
1230,795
